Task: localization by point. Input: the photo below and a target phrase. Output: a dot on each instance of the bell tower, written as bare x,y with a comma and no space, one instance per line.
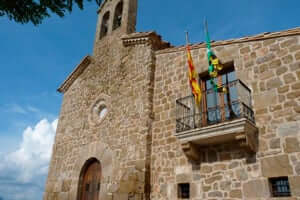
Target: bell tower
115,18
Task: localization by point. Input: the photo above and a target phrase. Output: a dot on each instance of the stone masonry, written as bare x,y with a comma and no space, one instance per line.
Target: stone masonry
138,78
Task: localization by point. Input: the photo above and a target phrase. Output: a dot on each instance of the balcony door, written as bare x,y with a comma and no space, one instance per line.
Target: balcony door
218,107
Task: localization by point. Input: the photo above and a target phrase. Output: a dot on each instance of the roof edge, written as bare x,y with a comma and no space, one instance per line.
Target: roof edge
257,37
75,73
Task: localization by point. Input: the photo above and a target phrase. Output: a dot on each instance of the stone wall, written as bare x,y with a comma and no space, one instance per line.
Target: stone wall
271,69
122,78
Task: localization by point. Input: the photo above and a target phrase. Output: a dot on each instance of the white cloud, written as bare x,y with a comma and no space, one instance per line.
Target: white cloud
28,165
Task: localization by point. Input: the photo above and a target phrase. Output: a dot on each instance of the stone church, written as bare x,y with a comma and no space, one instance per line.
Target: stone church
129,128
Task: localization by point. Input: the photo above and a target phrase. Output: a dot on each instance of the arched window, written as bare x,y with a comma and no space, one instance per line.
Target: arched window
104,26
118,15
90,180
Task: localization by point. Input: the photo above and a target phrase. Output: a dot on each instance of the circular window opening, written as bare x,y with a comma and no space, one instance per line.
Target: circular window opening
102,111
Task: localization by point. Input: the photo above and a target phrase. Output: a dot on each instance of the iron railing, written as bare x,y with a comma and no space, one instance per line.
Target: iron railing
212,111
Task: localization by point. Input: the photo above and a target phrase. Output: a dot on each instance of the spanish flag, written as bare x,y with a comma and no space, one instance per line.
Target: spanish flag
193,77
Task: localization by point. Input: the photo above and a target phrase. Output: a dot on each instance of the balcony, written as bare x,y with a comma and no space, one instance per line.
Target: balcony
222,118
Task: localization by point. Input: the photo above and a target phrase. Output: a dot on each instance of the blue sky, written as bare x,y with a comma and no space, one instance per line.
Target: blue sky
35,61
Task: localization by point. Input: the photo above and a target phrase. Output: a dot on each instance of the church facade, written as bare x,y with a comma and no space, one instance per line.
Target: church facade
129,128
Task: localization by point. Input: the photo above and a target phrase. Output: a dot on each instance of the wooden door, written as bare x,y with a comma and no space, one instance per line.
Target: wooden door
91,182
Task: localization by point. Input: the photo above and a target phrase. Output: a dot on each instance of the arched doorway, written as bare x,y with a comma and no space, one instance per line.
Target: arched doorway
90,180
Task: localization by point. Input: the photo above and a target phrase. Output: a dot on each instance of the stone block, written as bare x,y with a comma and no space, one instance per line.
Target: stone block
276,166
294,48
296,86
297,56
289,42
241,174
294,185
287,59
235,194
291,145
275,143
269,42
256,189
288,129
275,63
245,50
274,83
283,89
213,179
215,194
289,78
183,178
294,66
281,70
265,59
205,169
66,185
293,95
265,99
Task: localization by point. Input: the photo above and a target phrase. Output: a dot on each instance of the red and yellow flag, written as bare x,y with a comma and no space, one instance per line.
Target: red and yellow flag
193,77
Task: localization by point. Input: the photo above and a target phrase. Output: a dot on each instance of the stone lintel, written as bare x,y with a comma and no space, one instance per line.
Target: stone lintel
241,130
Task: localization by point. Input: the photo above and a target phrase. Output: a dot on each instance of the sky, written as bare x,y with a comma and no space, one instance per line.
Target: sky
35,60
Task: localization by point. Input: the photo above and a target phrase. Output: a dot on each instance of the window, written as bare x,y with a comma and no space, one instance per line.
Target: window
184,190
104,26
118,15
280,187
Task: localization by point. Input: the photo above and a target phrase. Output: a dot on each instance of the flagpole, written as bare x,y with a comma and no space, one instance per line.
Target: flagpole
187,38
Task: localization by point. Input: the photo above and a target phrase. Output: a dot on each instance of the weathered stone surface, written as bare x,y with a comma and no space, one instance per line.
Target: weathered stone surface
291,145
276,166
256,189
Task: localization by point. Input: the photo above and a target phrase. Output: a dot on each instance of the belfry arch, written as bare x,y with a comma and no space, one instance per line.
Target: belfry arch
105,24
90,180
118,15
